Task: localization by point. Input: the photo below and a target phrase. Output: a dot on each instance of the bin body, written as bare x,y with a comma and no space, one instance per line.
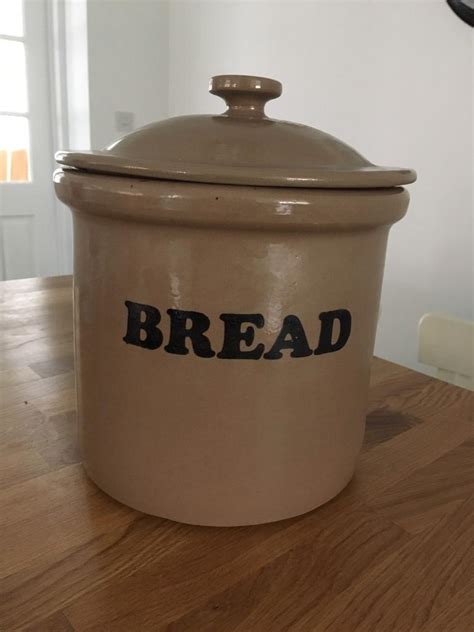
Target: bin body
224,440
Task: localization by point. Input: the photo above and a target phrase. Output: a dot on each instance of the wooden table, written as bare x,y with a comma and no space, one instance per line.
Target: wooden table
392,553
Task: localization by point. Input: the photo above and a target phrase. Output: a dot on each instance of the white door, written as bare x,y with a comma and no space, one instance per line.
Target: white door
28,231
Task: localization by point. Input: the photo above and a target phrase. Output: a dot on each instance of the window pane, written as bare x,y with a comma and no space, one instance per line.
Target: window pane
12,76
11,17
14,149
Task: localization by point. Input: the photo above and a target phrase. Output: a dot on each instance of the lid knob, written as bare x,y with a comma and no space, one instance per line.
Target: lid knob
245,95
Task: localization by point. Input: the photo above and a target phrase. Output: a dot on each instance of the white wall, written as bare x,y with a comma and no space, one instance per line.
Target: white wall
394,79
128,64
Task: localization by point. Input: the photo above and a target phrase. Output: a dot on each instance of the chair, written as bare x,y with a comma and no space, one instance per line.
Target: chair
447,343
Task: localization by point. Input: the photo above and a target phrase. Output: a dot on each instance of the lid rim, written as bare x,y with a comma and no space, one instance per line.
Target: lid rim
369,177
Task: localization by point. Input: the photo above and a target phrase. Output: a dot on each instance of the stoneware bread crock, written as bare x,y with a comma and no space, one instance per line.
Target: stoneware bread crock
227,275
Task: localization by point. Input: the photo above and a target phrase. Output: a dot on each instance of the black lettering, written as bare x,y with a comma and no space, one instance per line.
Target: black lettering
297,341
233,336
143,318
326,345
179,332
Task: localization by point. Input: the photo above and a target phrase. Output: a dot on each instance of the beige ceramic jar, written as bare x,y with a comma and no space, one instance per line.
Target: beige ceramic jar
227,275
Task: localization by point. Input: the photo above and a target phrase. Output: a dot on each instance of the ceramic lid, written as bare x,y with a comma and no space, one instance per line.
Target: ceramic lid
241,146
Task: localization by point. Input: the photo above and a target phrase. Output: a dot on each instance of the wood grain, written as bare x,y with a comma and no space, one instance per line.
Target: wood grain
392,553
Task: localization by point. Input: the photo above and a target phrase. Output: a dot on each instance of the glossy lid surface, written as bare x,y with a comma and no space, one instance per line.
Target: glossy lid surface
241,146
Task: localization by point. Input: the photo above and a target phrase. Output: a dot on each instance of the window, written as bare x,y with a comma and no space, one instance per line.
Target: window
14,122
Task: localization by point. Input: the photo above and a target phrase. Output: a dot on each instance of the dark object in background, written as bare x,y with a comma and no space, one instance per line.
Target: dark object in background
463,9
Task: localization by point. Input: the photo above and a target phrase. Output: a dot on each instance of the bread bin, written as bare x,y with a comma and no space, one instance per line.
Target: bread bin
227,276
